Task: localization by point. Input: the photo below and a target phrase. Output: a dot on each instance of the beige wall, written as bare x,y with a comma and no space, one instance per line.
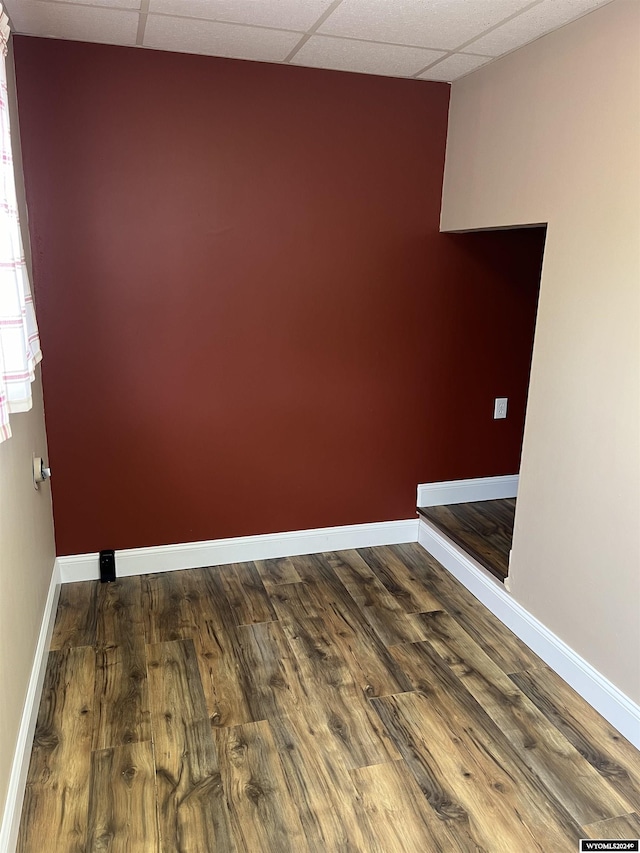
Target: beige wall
27,555
551,134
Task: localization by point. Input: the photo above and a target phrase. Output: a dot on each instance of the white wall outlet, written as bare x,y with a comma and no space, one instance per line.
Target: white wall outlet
500,408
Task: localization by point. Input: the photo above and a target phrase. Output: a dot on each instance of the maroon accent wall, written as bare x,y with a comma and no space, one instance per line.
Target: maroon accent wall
250,322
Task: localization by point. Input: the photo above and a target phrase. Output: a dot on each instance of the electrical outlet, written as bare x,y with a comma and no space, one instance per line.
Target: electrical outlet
107,563
500,408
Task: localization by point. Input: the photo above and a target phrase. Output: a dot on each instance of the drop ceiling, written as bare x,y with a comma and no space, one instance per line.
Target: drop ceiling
423,39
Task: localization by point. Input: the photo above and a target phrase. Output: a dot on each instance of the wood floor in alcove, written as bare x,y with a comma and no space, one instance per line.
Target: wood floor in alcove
351,701
484,529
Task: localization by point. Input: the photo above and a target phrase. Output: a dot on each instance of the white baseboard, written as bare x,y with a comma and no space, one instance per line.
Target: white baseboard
597,690
24,742
464,491
217,552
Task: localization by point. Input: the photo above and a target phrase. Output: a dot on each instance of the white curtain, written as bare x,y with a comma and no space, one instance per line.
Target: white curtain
19,341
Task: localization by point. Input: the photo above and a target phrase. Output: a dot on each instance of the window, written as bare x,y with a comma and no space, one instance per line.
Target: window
19,340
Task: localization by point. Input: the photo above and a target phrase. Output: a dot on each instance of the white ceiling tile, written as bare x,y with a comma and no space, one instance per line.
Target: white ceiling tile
79,23
285,14
365,57
454,66
388,37
528,26
215,39
445,24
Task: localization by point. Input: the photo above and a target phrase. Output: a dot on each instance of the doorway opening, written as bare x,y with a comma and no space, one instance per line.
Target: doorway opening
484,528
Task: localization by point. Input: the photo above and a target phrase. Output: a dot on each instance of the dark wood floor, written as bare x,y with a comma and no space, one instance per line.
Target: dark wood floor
352,701
484,529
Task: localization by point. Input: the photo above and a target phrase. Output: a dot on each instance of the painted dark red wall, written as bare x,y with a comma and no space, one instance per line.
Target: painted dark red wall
250,321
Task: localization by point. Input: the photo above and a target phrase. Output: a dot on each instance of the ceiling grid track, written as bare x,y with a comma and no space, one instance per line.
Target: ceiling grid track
462,46
305,38
142,22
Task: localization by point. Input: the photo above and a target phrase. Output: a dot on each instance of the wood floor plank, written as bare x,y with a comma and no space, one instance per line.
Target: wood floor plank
225,696
471,781
339,708
380,608
400,580
297,601
389,621
76,618
166,607
614,758
367,658
55,809
122,801
216,639
324,590
352,632
245,593
565,773
397,810
263,817
192,808
493,637
269,672
276,572
326,800
119,611
121,701
315,571
625,827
